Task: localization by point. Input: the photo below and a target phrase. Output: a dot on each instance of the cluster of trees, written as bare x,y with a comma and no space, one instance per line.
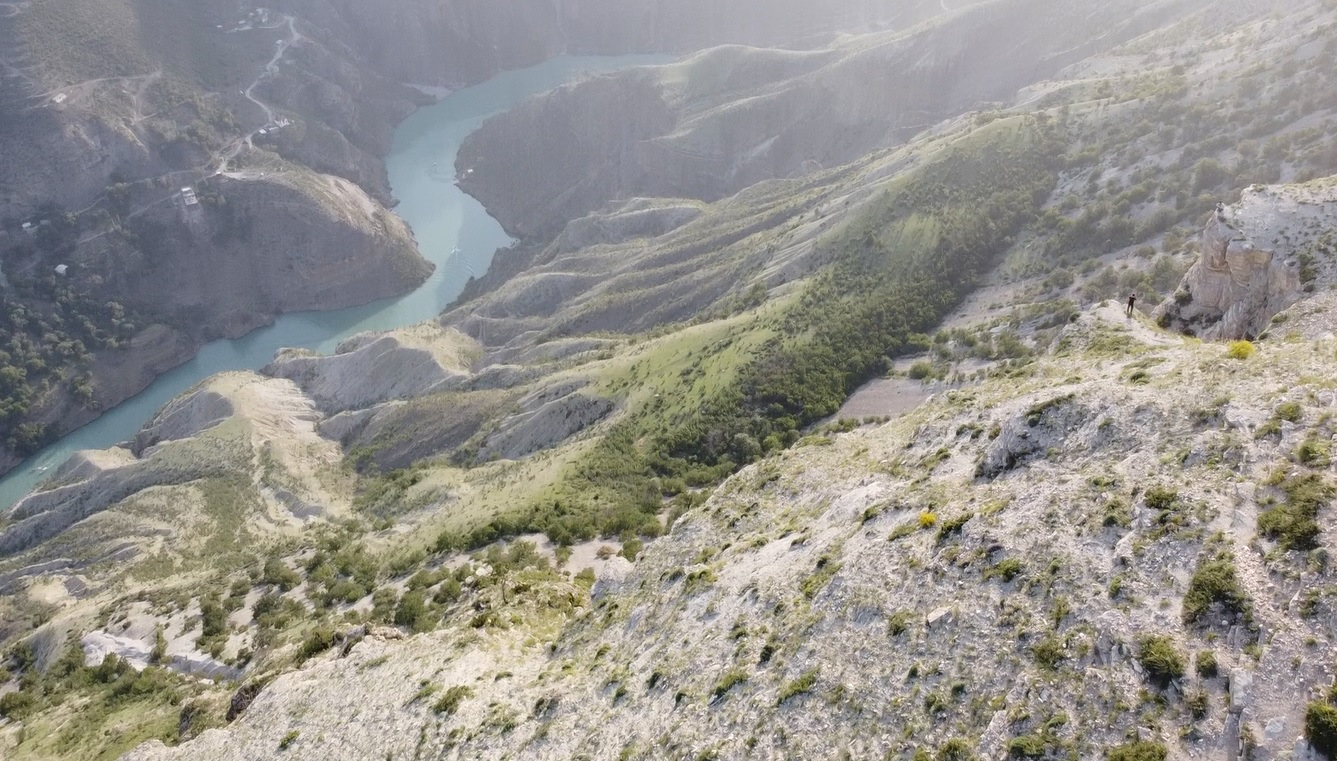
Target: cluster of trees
50,325
49,340
897,270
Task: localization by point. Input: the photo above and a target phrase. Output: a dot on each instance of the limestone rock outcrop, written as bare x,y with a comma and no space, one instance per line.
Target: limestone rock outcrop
1255,261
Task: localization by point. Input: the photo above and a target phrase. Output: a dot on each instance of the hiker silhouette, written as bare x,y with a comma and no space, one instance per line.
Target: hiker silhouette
1132,300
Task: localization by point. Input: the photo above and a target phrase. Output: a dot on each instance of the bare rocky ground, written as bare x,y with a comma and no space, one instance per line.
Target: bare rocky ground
986,565
871,592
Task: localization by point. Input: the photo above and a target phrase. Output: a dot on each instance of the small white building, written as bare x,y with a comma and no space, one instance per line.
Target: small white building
188,196
62,269
60,98
28,228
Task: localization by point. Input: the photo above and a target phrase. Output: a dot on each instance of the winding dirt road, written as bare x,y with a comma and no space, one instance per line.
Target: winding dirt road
271,69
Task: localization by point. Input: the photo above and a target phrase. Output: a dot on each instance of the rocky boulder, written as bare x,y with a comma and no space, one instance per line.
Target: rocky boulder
1258,258
1234,288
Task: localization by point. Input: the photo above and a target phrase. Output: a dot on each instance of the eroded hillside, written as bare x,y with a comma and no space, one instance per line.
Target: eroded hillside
614,504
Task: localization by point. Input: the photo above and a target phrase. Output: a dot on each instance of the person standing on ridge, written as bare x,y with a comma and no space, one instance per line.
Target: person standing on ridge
1132,299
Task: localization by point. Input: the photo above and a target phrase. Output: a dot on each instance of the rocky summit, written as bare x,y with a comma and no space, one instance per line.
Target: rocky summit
889,379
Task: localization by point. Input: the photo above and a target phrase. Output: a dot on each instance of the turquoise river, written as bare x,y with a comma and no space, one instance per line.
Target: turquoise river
453,231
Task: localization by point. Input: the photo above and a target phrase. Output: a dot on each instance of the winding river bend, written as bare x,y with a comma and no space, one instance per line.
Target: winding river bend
453,231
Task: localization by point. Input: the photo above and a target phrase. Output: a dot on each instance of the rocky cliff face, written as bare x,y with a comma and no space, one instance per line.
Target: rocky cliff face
1257,257
729,118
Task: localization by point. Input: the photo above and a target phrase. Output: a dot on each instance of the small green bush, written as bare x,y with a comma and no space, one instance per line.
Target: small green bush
450,700
413,612
1027,746
1048,652
1006,569
953,526
1321,727
1215,581
1161,659
731,679
289,739
900,622
16,705
1314,453
957,749
317,642
1140,750
1291,412
1241,350
800,686
1197,702
1161,498
1294,525
921,370
1206,666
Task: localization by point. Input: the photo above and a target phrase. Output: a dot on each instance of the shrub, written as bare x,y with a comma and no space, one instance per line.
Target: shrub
927,519
1161,498
1027,746
1048,652
16,705
731,679
413,612
1006,569
289,739
953,526
800,686
900,622
957,749
631,549
921,370
1241,350
450,700
1197,702
1289,411
1161,659
279,575
1205,664
1321,727
317,642
1215,581
1294,525
1140,750
1314,452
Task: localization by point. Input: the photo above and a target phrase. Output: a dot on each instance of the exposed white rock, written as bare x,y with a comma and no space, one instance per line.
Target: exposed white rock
371,368
1250,266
